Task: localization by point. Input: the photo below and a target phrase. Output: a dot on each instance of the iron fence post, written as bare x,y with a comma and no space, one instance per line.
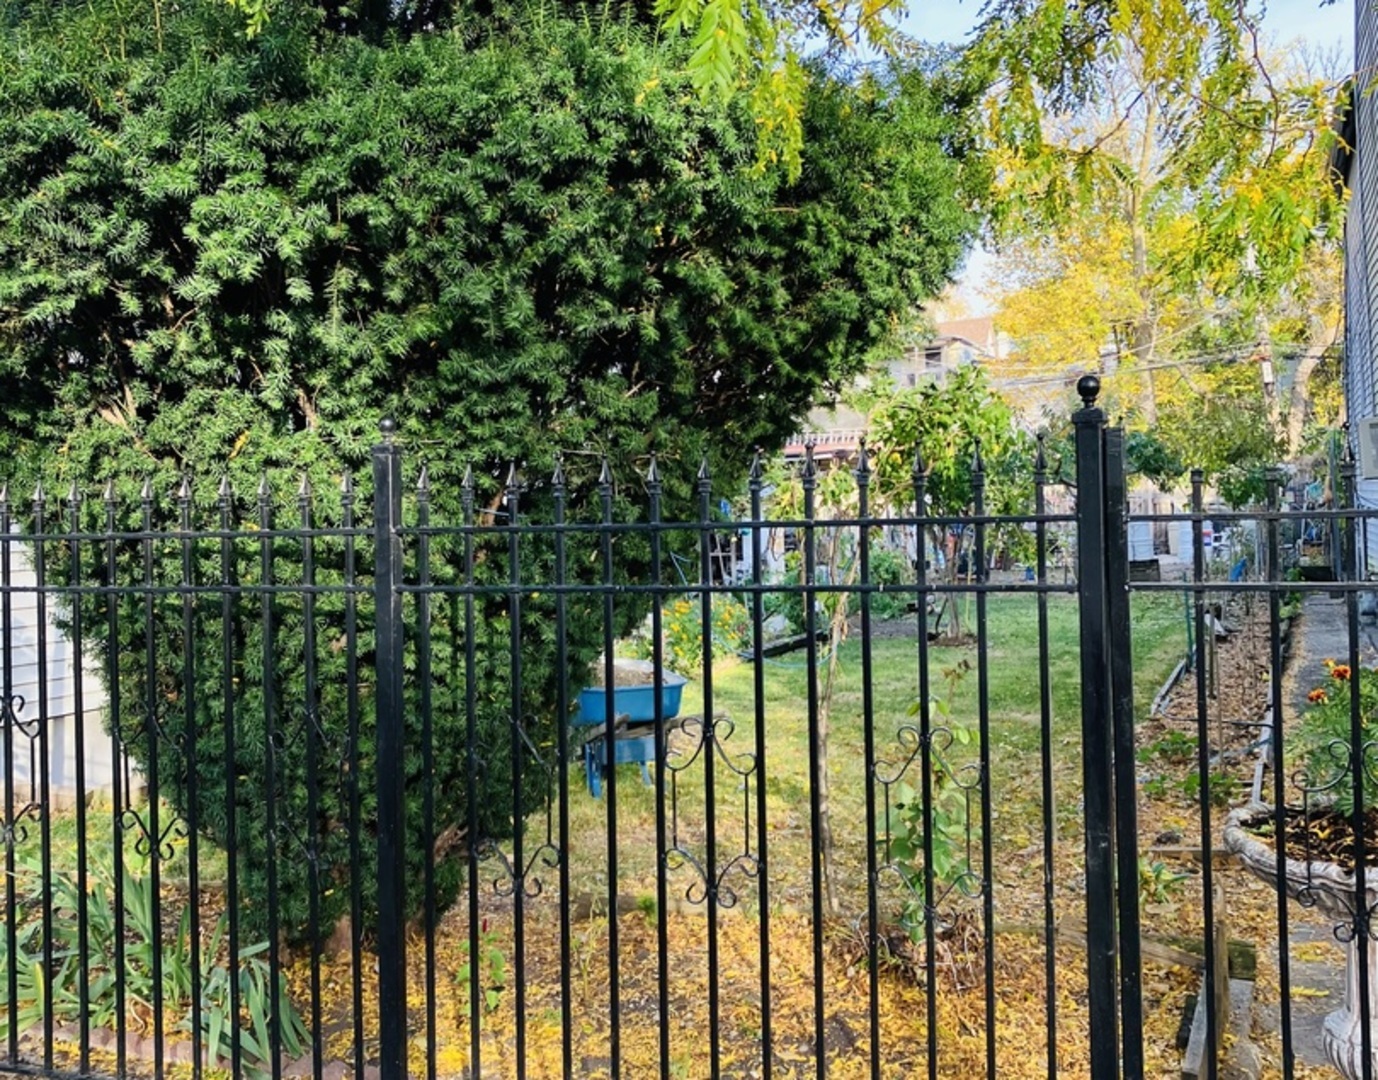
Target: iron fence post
389,745
1096,728
1125,779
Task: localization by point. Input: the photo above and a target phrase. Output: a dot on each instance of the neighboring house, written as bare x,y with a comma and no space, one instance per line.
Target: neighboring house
46,699
835,431
957,343
1359,167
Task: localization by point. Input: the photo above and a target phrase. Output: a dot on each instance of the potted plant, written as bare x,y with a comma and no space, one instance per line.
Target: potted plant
1318,842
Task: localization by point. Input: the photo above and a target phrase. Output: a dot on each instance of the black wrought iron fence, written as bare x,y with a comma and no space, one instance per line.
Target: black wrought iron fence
561,781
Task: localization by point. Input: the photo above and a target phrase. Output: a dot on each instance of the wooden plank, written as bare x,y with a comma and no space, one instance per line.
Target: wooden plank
1187,851
1171,949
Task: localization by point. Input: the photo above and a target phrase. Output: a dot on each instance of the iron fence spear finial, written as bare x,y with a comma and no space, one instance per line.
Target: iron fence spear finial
863,467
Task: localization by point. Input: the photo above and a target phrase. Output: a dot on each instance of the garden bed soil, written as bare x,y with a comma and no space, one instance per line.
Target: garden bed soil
622,675
1321,836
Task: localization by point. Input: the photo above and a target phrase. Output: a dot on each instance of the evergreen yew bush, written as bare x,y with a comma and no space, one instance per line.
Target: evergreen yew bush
222,257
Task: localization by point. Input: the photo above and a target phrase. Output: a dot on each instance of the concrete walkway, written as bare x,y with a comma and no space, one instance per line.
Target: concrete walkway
1319,633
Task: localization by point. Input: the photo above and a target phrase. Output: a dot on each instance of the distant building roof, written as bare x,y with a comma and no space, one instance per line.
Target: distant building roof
980,331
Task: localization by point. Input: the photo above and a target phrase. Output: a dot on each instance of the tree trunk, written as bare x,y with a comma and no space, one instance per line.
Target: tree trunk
1296,410
1145,326
939,536
826,846
837,633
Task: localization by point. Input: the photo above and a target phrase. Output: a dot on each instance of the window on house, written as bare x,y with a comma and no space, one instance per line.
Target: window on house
933,358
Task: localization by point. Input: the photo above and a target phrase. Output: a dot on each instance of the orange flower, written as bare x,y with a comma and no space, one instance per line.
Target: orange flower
1317,695
1340,671
1329,664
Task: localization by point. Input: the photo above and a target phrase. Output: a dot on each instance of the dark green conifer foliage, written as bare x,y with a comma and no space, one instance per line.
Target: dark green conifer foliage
221,257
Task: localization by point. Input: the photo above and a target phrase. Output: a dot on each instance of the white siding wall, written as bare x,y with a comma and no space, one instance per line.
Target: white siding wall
49,695
1361,258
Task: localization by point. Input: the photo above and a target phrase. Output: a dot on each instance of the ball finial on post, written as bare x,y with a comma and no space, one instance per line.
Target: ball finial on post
1088,386
388,427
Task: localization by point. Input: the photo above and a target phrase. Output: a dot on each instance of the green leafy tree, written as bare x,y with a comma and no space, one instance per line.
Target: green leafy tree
942,425
222,257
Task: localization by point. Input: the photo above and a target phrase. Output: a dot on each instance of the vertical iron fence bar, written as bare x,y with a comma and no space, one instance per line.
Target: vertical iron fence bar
472,768
152,734
1089,421
45,751
78,641
9,707
1276,751
356,855
114,652
930,911
1045,716
868,727
423,676
514,626
654,490
758,676
1359,746
605,493
1126,779
228,578
305,507
810,483
979,556
1198,558
390,747
270,739
189,692
558,491
710,746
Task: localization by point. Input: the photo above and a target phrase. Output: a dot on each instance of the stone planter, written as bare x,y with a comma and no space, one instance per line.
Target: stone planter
1331,891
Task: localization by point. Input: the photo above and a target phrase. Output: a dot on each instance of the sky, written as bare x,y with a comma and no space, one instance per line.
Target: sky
1325,31
1321,27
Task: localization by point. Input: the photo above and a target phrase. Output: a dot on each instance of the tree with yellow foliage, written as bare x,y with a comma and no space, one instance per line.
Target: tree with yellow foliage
1157,173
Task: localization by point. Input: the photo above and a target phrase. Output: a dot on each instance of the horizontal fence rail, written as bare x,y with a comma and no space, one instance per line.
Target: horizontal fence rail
588,774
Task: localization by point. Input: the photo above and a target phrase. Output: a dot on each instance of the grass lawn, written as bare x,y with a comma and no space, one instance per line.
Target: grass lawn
1015,742
1012,820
